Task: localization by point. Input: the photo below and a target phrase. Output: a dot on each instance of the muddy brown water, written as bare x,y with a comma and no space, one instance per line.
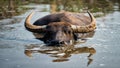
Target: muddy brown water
20,49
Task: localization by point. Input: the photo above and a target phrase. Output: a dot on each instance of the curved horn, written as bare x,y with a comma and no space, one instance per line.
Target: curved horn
31,27
87,28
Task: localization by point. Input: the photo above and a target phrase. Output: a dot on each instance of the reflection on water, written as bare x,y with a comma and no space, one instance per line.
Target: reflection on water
60,53
10,8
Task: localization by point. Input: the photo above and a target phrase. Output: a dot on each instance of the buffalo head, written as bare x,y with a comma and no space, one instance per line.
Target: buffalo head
59,33
58,30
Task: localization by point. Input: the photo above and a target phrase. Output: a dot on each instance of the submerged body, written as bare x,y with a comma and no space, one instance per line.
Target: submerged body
60,28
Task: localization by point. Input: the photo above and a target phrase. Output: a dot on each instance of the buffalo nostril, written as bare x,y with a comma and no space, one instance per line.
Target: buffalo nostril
56,42
62,42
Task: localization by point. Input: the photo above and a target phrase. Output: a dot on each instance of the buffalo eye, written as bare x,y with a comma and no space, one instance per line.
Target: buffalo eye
48,27
69,32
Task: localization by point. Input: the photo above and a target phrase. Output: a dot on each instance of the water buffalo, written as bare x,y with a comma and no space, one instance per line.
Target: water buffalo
61,28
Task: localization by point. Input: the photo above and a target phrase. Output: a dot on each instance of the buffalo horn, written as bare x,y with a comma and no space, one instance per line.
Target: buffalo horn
31,27
86,28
